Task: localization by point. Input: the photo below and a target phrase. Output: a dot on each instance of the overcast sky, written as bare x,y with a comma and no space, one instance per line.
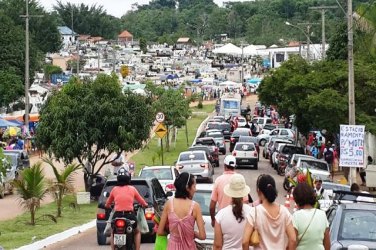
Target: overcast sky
114,7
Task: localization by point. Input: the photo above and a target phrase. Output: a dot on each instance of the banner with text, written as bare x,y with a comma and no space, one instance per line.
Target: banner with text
352,146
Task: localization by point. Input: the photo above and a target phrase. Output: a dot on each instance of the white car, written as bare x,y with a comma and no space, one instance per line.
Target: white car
281,132
242,122
262,121
203,197
246,154
165,174
318,168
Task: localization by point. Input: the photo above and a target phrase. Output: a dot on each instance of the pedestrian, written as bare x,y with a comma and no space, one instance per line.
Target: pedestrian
320,192
230,221
311,225
181,214
329,158
272,221
314,150
362,171
218,197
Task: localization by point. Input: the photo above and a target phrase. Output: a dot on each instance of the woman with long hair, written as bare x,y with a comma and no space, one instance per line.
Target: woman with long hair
230,221
272,221
311,225
181,214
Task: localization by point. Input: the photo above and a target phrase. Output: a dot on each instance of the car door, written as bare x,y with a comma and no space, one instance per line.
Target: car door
159,195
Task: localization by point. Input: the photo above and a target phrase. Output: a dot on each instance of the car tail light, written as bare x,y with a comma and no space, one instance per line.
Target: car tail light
101,216
234,153
120,223
170,187
149,213
255,153
204,165
232,139
179,166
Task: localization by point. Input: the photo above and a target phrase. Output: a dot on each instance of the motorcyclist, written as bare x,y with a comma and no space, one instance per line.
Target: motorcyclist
123,196
291,172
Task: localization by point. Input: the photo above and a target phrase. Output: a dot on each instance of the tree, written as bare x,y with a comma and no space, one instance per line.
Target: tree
338,44
31,188
90,121
143,45
63,183
50,69
11,87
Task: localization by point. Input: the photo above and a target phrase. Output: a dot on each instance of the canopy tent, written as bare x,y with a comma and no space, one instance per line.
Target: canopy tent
228,49
7,124
254,81
254,50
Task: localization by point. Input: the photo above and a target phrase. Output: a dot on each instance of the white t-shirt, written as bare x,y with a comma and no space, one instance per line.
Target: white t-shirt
232,230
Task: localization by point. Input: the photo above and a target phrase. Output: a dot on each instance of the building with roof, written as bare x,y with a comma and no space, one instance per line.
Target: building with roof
183,43
68,36
125,37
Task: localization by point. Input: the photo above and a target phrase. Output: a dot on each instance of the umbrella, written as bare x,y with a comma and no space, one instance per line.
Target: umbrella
6,124
254,80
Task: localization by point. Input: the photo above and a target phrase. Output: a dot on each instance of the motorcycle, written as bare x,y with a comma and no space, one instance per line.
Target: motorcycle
123,232
288,174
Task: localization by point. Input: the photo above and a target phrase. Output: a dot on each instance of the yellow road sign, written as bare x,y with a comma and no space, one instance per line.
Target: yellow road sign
161,130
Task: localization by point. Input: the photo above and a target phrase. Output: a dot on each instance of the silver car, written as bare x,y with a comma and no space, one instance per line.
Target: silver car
219,139
203,197
318,168
196,163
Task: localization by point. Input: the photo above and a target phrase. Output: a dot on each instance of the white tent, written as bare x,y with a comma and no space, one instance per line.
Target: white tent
253,50
228,49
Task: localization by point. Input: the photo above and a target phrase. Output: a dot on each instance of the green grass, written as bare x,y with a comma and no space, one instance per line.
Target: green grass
18,232
207,108
151,152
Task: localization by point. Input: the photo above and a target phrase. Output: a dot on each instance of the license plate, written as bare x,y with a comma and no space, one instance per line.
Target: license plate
245,160
120,239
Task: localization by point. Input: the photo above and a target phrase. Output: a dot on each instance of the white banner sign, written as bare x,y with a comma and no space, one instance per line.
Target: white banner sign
352,146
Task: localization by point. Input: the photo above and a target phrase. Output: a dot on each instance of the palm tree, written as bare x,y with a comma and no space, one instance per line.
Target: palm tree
365,18
31,188
63,182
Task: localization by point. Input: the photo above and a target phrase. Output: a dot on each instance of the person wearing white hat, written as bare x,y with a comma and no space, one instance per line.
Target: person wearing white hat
230,221
218,195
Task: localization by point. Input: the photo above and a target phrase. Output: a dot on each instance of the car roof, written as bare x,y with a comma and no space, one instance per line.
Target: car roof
156,167
214,131
192,152
312,159
246,142
204,138
204,187
359,205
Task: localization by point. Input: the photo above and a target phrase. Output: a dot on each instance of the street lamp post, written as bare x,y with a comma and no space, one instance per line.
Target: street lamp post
307,35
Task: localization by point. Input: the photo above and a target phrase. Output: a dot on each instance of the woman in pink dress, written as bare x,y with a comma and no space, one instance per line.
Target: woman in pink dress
180,214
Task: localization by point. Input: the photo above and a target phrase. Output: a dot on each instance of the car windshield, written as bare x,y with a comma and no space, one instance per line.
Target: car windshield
215,135
358,225
203,198
192,156
317,165
239,132
159,173
244,147
290,150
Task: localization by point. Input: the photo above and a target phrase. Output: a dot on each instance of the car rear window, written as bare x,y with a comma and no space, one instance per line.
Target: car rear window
290,150
269,127
358,225
203,198
240,132
142,188
159,173
244,147
214,126
314,165
215,135
209,142
225,126
196,156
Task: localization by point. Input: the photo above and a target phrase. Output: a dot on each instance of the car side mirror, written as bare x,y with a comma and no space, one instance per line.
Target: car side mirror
169,194
106,194
101,205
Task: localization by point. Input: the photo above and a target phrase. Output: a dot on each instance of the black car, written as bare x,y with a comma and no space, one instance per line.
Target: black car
236,134
150,189
226,130
207,151
210,143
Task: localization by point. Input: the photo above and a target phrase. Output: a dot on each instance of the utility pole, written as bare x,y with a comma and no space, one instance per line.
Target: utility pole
77,47
242,72
350,44
323,40
27,65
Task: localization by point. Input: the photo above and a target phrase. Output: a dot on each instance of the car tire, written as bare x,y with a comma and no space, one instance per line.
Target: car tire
101,239
262,142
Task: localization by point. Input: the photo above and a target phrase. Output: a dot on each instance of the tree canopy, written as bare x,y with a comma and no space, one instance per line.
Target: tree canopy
90,121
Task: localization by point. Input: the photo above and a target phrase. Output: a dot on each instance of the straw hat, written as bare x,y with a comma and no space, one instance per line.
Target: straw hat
237,188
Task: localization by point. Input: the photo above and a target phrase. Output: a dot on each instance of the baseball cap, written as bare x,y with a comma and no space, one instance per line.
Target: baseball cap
230,160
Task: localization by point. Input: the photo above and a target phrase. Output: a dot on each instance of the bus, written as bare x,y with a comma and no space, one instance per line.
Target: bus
230,105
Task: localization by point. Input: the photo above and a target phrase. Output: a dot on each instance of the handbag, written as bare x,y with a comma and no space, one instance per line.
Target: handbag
161,242
254,240
300,239
141,221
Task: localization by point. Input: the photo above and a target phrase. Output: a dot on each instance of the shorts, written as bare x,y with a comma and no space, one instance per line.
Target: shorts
130,215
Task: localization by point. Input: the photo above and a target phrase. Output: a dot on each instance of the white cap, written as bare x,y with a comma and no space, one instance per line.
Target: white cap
230,160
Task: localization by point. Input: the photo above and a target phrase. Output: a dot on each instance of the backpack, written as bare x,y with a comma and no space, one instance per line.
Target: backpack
328,156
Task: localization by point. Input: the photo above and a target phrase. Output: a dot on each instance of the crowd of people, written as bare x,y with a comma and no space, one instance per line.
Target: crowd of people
240,222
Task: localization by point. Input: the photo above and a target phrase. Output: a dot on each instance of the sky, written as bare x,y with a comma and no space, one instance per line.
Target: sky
114,7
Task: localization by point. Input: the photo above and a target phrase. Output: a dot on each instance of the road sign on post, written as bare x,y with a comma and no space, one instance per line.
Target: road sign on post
160,117
161,130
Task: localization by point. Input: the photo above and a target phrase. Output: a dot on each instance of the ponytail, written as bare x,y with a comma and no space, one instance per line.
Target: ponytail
237,209
266,184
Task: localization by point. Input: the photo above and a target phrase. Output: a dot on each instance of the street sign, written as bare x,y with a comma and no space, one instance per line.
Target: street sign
161,130
160,117
352,146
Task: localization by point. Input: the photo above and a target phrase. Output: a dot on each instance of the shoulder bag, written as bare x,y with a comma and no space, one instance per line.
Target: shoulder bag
254,240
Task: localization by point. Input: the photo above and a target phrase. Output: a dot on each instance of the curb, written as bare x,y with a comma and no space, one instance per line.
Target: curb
199,129
59,237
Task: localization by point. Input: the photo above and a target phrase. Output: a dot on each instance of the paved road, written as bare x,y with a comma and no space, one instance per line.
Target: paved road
87,240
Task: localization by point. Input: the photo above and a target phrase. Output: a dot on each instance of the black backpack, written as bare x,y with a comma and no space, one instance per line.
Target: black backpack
328,155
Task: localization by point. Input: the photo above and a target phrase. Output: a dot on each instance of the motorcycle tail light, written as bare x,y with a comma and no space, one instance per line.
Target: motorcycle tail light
101,216
120,223
170,187
149,215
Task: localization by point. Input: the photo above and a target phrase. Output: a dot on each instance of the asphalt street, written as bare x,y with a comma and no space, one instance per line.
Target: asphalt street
87,240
